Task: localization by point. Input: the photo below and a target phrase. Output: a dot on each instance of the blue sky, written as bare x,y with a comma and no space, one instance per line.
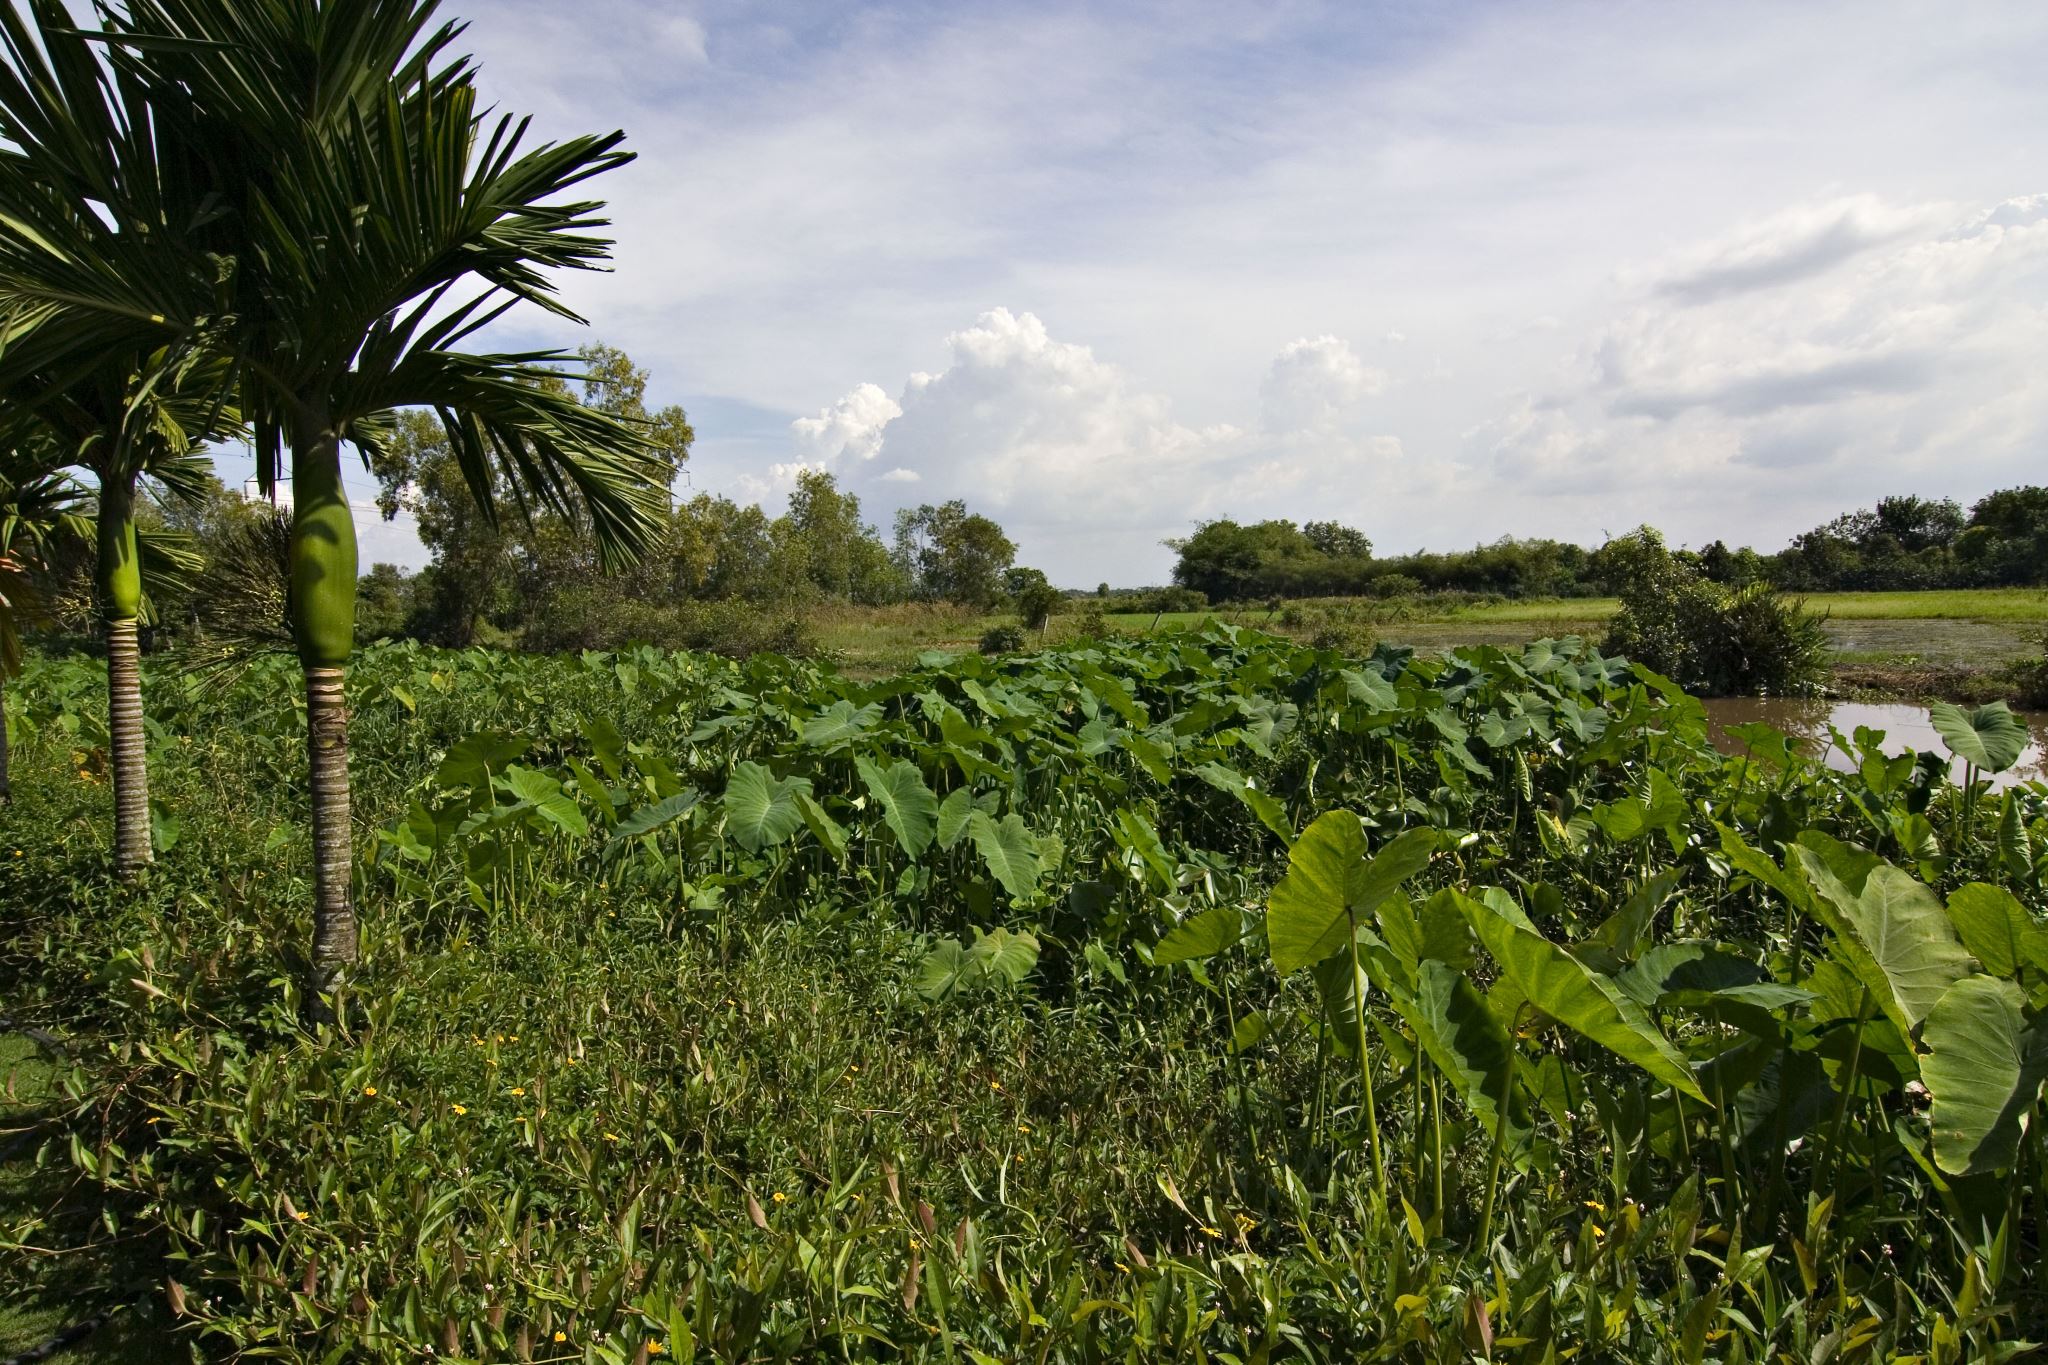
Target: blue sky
1445,272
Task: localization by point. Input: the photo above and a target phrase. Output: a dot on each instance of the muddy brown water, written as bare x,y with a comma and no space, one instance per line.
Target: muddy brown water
1906,730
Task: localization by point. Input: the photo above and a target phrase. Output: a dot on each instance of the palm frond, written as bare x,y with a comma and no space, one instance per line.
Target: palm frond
550,450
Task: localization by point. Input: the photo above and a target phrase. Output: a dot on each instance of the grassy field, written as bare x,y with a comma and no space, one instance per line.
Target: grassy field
1956,630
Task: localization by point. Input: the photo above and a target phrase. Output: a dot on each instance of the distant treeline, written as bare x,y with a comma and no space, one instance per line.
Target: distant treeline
1903,543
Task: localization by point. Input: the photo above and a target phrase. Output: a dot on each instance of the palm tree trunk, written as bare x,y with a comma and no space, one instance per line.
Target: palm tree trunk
120,584
323,576
334,916
132,850
6,789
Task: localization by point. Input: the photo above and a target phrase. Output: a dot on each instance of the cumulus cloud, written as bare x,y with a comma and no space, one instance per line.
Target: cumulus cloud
1314,384
1087,467
852,426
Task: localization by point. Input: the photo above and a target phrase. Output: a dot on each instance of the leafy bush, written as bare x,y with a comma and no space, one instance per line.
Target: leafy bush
1715,640
1394,585
1162,601
1002,639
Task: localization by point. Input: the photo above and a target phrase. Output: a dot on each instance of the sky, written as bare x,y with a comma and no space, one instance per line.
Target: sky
1443,272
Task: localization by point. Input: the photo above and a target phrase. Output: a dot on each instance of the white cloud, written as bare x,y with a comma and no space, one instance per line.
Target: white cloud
1314,383
1086,467
852,426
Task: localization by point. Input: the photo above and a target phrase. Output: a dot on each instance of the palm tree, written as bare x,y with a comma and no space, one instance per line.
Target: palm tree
329,212
39,505
119,430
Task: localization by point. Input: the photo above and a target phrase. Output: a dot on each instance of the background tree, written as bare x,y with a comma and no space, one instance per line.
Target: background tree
952,555
1033,596
843,557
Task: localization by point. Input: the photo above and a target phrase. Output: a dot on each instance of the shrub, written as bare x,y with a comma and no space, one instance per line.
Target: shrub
1002,640
1711,639
1394,585
1159,601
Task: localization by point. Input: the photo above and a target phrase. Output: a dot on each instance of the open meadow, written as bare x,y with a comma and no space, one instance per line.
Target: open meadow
1910,634
1010,1009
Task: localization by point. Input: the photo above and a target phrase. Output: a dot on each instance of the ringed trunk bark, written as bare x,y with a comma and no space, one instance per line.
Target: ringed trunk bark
130,760
120,585
323,575
334,916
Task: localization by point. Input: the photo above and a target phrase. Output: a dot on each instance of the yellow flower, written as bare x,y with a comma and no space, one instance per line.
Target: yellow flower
17,853
1121,1266
519,1090
570,1060
996,1086
655,1348
611,1137
779,1197
501,1037
370,1090
1598,1231
1023,1127
561,1336
1208,1231
460,1109
302,1216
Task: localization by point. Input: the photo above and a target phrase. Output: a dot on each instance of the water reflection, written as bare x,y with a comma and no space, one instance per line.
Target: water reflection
1906,730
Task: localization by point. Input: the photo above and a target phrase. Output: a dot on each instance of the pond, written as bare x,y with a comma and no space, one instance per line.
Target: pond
1906,730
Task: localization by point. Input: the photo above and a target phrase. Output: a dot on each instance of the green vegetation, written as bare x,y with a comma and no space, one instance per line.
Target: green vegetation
1904,544
1212,995
1010,1008
1714,639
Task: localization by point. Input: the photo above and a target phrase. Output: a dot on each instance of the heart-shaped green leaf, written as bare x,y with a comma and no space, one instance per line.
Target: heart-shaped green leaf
1990,737
1330,887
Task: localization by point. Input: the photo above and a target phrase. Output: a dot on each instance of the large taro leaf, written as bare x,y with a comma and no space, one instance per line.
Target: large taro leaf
1330,887
548,800
472,762
1584,1001
1894,936
1009,851
997,956
1991,737
1435,928
840,722
1198,936
760,809
908,806
953,813
1984,1067
827,831
1997,929
1469,1045
655,815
